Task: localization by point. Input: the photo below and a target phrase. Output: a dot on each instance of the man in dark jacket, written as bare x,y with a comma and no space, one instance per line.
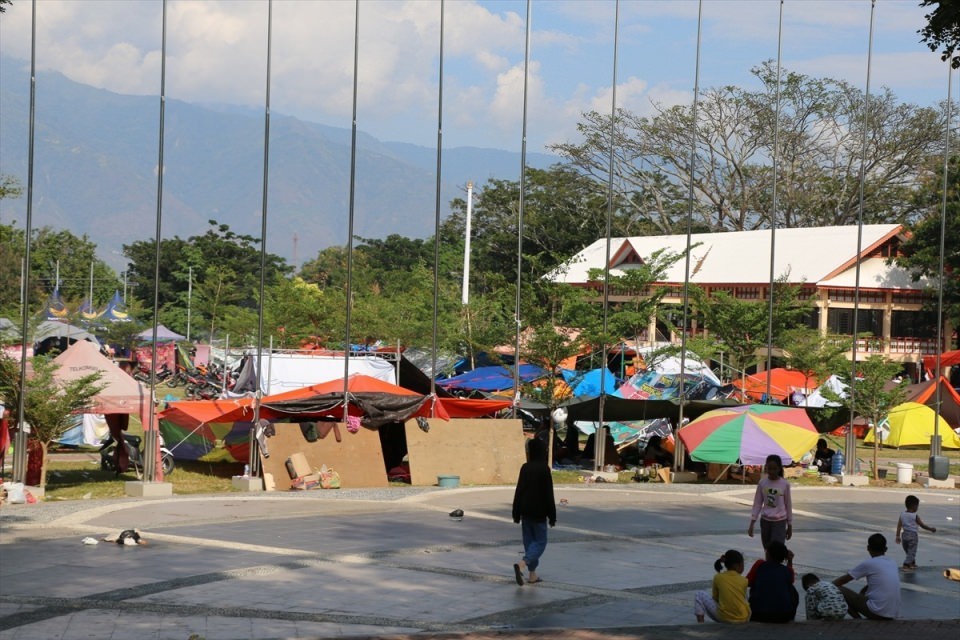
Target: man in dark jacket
533,508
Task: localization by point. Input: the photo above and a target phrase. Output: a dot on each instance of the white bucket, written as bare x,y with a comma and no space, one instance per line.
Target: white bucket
904,473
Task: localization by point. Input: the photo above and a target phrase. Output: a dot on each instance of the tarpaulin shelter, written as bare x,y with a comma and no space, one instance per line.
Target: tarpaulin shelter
587,383
494,378
911,424
295,371
947,359
57,335
192,428
783,382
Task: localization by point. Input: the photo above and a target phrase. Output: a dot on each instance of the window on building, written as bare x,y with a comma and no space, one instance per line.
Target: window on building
840,321
913,324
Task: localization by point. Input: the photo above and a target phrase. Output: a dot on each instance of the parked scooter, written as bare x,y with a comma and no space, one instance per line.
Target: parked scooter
135,454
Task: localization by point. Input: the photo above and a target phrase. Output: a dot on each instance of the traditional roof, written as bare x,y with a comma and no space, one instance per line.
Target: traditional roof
825,256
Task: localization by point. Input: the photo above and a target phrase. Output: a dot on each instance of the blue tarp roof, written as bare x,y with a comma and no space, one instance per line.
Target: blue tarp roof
494,378
587,383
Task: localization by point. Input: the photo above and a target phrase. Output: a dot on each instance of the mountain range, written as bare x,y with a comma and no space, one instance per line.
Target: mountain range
96,154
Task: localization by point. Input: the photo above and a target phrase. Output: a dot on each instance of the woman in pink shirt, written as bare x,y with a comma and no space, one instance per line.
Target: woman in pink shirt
772,505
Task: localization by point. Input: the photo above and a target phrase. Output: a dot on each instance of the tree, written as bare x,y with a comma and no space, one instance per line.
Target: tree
817,357
820,147
870,396
49,406
921,252
3,2
742,327
943,29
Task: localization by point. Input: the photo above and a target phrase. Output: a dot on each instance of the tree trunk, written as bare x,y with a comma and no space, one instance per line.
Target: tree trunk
43,464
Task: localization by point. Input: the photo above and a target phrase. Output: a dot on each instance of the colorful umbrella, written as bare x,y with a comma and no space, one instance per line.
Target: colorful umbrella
748,434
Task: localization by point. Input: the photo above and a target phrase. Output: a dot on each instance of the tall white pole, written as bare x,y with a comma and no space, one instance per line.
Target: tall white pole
91,286
189,298
465,298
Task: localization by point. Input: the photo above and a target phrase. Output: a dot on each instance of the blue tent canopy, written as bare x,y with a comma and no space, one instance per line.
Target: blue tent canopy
491,378
587,383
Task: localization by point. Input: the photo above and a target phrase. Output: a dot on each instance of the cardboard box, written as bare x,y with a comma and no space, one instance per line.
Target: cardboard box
305,483
717,471
297,466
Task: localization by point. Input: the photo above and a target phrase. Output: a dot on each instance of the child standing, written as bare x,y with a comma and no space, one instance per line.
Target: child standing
727,601
908,533
772,505
824,600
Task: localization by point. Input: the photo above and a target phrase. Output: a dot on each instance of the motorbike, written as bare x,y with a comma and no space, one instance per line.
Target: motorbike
135,453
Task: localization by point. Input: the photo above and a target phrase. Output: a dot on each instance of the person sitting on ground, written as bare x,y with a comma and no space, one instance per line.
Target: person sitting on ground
726,601
823,456
773,598
880,599
823,600
654,453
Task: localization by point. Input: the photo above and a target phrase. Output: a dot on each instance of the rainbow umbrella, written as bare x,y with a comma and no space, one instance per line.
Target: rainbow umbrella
748,434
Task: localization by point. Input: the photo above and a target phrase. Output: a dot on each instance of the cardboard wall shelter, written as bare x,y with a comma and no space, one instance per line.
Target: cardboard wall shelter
358,457
482,451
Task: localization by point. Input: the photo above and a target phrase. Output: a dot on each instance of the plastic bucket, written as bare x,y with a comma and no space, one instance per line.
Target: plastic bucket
904,473
448,481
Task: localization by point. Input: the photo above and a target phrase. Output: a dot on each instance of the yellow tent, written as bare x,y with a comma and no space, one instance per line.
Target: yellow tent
911,424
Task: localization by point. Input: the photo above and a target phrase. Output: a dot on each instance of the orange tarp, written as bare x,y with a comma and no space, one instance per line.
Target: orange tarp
782,383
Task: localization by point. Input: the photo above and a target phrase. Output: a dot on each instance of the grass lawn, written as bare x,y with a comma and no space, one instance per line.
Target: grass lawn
78,480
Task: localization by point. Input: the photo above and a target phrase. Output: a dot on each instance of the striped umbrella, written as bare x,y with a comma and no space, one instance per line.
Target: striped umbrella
748,434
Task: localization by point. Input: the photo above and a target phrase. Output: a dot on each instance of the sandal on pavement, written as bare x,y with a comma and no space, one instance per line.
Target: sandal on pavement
518,574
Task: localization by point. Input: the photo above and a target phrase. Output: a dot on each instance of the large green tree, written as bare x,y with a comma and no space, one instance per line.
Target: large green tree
49,405
922,251
820,140
943,29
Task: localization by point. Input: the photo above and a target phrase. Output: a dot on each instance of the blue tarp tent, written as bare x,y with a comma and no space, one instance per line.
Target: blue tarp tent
492,378
587,383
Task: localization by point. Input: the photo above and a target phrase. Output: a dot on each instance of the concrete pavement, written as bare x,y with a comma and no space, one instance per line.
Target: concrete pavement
623,562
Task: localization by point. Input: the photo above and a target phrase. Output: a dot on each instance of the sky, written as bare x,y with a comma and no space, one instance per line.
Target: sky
217,54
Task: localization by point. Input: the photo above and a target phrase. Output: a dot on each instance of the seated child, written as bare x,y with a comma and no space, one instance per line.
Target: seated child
773,598
823,600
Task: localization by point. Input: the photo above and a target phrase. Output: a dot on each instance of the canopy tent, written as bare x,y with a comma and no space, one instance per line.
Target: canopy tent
87,312
911,424
120,393
495,378
654,385
783,382
163,335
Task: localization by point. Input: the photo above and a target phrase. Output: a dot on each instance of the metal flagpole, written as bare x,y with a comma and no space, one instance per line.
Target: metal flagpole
436,223
353,193
935,442
773,213
254,458
520,210
678,446
600,439
151,469
20,440
851,442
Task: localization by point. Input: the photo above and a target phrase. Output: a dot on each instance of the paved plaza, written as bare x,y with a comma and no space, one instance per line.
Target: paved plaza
623,562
